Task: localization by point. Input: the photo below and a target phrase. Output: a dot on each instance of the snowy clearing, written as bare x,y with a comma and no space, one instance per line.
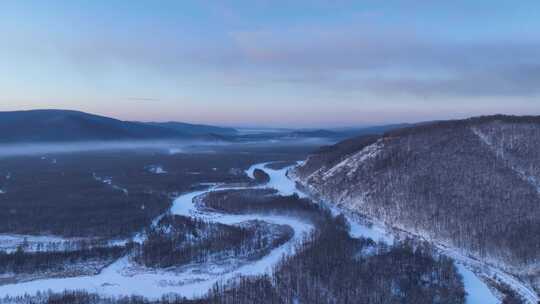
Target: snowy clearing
156,169
108,181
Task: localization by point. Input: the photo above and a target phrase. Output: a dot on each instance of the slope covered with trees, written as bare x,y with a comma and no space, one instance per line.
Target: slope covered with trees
75,126
471,183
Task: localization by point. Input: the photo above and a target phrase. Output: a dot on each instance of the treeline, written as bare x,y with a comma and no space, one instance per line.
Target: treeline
464,123
62,245
21,262
261,201
178,240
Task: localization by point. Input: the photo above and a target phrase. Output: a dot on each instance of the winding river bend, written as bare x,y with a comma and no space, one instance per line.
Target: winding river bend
123,278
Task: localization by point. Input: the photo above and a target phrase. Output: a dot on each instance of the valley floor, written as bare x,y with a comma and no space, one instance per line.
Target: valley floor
125,278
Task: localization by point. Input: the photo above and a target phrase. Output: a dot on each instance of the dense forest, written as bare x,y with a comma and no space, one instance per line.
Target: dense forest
113,194
472,183
84,260
178,240
264,201
333,268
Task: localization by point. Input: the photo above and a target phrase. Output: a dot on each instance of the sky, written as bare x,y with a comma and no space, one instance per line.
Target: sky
316,63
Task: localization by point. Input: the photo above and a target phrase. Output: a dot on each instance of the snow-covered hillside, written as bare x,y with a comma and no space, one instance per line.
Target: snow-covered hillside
471,185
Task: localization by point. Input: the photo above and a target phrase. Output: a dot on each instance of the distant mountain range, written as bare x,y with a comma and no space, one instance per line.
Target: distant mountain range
73,126
69,126
333,135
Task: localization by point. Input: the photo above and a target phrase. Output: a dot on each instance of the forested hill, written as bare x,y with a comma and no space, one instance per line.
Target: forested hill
474,184
60,126
195,129
65,126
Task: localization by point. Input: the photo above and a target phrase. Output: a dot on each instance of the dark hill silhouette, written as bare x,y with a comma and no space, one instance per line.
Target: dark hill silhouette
68,126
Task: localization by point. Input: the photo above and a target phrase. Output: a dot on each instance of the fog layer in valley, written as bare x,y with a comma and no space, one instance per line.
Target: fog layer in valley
172,147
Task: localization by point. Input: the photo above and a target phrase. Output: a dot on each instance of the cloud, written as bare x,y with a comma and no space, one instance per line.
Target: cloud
143,99
349,56
508,80
393,61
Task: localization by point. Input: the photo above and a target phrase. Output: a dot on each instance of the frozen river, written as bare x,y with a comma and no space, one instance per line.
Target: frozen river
122,278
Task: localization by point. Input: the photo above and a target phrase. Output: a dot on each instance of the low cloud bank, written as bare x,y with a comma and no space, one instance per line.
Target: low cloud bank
171,147
28,149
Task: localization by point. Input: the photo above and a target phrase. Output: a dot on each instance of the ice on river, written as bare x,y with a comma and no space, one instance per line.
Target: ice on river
278,179
477,290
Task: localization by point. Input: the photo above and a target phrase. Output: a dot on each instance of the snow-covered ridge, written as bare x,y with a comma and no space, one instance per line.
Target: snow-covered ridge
350,163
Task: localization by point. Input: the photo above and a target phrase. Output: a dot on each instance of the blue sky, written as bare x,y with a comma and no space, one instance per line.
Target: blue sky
299,63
